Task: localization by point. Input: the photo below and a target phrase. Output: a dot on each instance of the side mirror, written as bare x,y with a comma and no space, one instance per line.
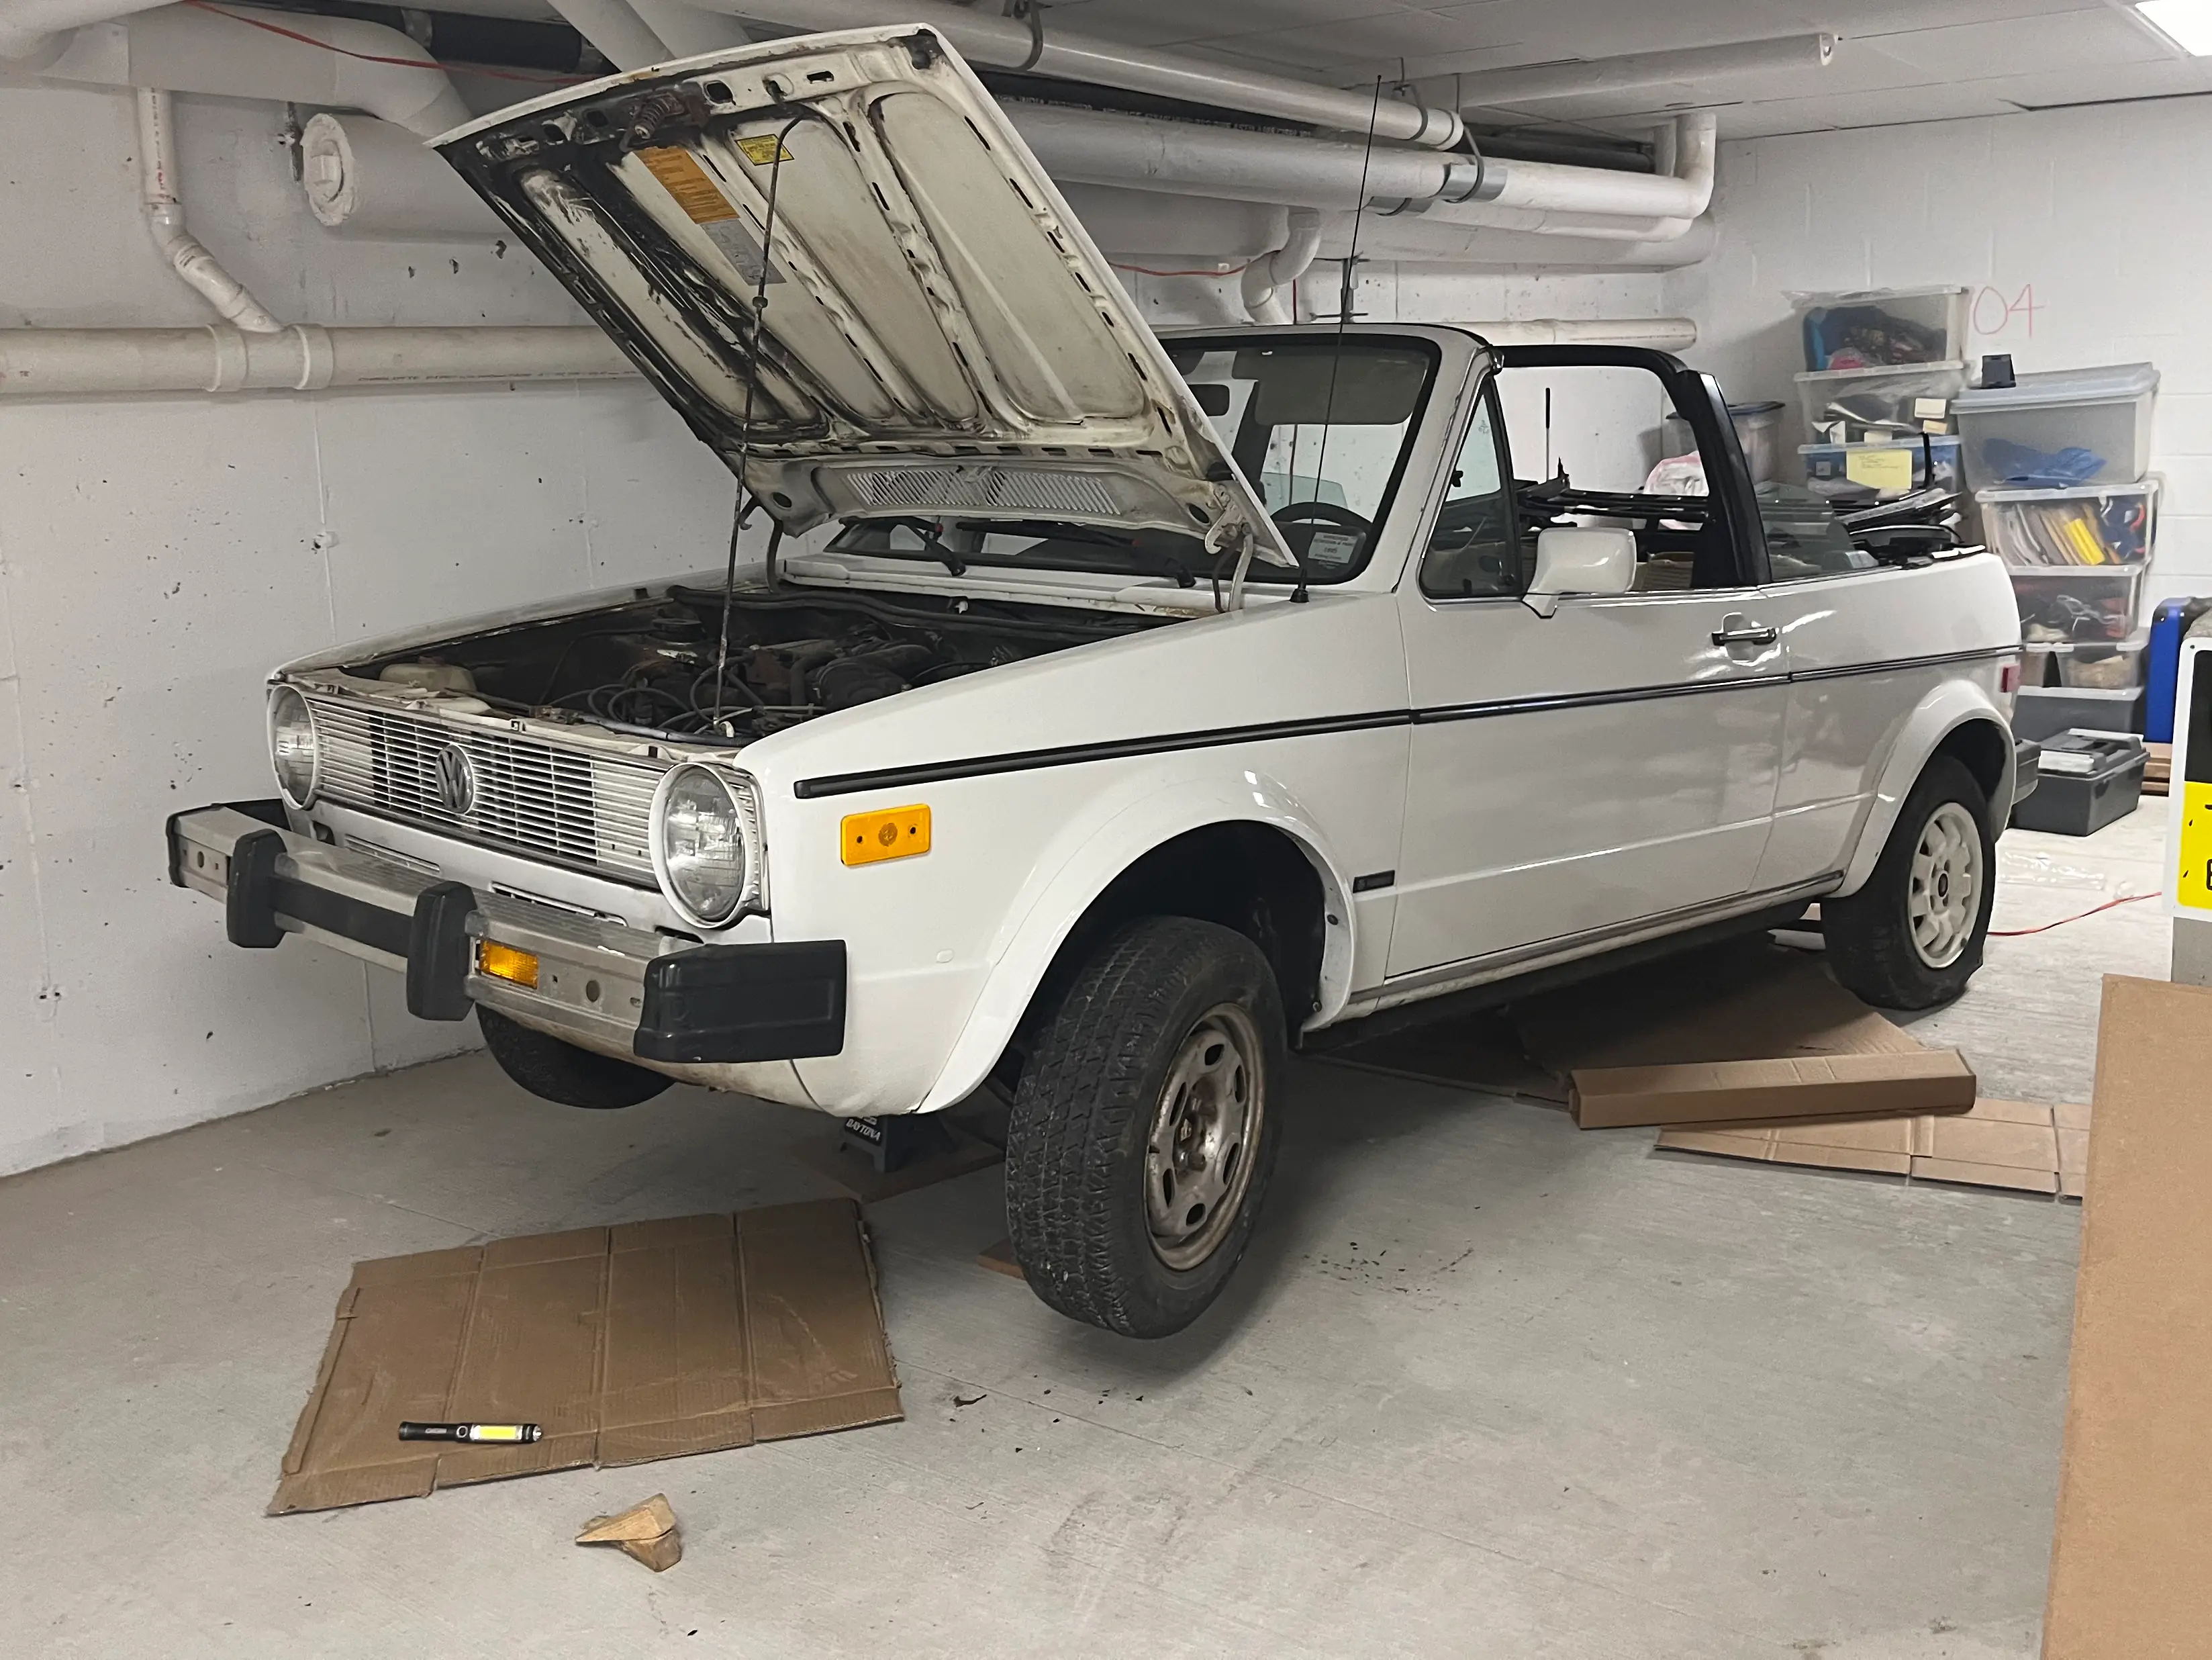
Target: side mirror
1587,559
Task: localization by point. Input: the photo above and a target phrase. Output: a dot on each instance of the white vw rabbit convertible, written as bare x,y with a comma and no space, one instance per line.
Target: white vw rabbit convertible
1115,712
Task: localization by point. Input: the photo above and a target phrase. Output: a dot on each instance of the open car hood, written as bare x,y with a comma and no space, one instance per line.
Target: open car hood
940,335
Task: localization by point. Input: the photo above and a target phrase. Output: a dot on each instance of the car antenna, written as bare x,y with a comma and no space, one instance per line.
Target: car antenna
1343,316
745,421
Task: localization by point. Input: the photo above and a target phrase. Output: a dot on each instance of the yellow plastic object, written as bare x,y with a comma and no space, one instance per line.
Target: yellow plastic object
2193,877
869,838
505,963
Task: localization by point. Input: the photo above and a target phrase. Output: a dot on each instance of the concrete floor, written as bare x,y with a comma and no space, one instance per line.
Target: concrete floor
1486,1385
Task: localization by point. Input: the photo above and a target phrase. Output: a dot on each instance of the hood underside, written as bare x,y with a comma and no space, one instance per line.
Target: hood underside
838,261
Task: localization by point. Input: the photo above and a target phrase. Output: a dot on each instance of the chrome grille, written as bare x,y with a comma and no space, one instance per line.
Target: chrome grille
561,805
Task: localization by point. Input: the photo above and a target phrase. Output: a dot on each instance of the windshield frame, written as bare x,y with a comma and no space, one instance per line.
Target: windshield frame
1141,567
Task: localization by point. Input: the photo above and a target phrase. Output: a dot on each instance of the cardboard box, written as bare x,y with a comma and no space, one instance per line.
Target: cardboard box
2129,1579
1998,1144
1831,1086
646,1340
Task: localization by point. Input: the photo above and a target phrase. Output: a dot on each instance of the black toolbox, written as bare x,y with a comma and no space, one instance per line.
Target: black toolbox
2089,778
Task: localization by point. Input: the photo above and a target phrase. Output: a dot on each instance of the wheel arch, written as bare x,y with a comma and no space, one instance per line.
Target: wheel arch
1957,718
1250,860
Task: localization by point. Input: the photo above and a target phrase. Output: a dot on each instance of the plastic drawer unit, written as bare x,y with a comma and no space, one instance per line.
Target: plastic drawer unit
2077,606
2091,526
1883,327
2039,714
1849,474
2067,427
1852,406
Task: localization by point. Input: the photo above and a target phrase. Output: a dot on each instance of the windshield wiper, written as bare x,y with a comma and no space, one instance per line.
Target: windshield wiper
933,545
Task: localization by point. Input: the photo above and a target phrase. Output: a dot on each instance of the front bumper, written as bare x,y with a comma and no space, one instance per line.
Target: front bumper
2027,768
664,1001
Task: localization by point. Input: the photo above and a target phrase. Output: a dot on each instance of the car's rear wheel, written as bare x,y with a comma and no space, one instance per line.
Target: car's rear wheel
1912,937
560,1072
1144,1130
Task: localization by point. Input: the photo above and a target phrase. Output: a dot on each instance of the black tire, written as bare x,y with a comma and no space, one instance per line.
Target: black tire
555,1071
1079,1162
1871,945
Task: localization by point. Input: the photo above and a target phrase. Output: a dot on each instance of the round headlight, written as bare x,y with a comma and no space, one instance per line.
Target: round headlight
699,845
292,748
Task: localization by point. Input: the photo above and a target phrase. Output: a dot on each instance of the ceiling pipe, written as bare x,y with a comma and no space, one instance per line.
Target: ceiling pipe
1538,82
187,49
1264,287
1037,42
1657,333
621,36
1099,147
30,27
165,219
58,362
690,32
369,177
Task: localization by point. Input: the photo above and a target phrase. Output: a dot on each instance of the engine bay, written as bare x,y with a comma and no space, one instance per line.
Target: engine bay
658,663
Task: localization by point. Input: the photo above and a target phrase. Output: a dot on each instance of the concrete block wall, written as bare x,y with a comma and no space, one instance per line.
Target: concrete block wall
2082,233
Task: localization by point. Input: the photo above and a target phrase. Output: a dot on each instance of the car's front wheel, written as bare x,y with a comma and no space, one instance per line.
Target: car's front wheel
560,1072
1911,938
1144,1130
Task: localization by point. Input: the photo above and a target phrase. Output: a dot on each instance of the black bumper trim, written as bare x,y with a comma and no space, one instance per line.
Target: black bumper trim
2027,768
721,1003
432,941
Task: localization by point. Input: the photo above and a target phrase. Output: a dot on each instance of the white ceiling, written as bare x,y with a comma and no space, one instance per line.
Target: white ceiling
1896,60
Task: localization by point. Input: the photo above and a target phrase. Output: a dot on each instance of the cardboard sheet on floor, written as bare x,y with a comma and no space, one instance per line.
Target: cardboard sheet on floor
644,1340
1809,1086
2128,1578
1999,1144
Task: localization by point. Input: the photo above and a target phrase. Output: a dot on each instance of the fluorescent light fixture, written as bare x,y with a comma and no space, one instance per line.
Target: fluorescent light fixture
2187,23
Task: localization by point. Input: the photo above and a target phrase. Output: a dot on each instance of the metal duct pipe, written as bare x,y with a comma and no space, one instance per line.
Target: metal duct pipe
30,27
186,49
1266,285
1683,192
54,363
165,220
1037,42
369,177
1488,88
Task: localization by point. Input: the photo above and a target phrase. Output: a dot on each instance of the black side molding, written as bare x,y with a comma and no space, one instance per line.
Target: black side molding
770,1002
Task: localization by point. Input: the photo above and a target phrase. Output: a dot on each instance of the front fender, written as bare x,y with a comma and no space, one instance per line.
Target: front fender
1083,861
1936,717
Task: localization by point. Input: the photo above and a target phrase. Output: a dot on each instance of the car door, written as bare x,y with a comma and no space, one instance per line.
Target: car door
1575,776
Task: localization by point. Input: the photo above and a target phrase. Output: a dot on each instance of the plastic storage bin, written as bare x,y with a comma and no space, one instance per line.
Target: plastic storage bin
2103,668
2093,526
1880,327
2041,713
1873,404
1758,428
2065,428
2077,606
2084,783
1880,472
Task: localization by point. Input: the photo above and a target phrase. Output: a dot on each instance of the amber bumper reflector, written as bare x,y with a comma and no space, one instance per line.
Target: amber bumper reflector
867,838
505,963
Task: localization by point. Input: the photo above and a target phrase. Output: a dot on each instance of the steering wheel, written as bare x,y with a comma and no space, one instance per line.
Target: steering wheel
1326,513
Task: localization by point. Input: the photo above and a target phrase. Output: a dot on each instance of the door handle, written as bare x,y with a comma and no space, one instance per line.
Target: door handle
1750,634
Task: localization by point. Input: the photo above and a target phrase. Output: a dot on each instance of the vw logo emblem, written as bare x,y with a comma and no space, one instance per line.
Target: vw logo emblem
457,781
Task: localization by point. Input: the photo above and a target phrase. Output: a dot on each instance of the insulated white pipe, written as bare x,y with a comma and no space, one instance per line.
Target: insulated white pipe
623,37
165,219
54,363
690,32
369,177
1534,82
30,27
981,33
1422,240
1266,285
186,49
1098,147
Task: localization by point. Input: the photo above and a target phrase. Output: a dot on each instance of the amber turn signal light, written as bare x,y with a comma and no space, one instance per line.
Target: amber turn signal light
868,838
505,963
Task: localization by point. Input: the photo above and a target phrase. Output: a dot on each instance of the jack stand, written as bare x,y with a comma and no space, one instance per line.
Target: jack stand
891,1143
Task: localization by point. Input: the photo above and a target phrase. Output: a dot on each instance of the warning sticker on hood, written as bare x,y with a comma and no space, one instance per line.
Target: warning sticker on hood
703,201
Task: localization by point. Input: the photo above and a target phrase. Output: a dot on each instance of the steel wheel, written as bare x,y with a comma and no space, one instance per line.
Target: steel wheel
1945,897
1197,1159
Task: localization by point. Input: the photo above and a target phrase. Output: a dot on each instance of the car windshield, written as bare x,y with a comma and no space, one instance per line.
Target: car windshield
1320,424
